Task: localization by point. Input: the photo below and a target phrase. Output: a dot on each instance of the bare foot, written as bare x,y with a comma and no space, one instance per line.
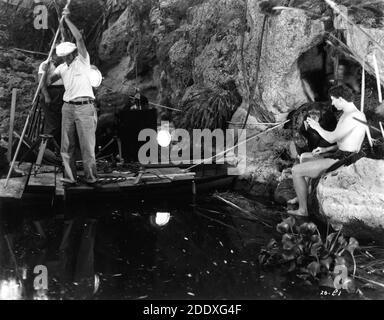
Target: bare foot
298,212
293,201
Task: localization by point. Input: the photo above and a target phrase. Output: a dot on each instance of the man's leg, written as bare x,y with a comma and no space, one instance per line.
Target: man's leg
86,122
68,141
311,169
57,104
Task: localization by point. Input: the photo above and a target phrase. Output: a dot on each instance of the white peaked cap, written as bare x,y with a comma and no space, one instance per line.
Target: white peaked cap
65,48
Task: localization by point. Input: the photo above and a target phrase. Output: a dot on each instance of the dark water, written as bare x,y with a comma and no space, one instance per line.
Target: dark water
100,250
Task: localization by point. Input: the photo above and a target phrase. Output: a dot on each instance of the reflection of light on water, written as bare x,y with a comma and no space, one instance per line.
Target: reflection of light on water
160,219
97,283
24,273
10,290
40,295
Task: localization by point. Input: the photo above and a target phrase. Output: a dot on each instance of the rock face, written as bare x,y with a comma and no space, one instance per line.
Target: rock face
16,71
354,193
359,40
211,44
286,37
266,157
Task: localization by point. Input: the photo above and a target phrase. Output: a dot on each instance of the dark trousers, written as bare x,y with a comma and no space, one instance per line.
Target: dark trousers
52,112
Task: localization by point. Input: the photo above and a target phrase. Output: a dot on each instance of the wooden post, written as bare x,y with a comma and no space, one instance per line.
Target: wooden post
362,88
194,192
194,187
381,128
11,124
377,72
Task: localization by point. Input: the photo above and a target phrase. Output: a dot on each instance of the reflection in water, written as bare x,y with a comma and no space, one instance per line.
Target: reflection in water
160,219
10,290
129,250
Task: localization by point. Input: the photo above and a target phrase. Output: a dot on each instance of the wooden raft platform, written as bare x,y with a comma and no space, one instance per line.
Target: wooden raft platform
160,181
16,186
125,181
48,179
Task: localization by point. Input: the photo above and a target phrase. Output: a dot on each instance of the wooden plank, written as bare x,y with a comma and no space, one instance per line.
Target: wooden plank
151,176
168,173
11,123
16,186
45,177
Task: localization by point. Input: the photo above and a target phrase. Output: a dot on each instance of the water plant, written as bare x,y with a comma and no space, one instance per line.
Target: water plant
302,251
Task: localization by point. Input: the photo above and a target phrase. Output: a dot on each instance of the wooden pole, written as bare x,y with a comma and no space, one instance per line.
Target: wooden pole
34,99
11,124
362,88
366,123
377,72
381,128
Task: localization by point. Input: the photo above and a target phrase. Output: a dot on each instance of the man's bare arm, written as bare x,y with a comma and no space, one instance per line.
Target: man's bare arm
44,89
331,148
82,49
320,150
342,129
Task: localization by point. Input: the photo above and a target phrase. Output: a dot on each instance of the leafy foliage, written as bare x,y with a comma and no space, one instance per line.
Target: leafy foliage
20,21
303,252
208,109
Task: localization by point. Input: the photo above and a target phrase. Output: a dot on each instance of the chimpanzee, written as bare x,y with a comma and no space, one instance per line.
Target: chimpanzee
319,112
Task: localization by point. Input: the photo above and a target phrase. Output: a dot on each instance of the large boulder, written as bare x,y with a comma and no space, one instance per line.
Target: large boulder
220,24
114,42
266,158
354,195
359,39
130,35
286,37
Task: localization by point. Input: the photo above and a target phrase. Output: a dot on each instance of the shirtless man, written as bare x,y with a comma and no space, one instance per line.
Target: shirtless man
349,135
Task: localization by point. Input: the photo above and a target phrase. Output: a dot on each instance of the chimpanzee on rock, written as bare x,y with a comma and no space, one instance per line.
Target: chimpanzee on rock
318,111
327,121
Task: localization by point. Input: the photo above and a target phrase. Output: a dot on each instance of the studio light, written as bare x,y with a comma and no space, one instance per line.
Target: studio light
163,138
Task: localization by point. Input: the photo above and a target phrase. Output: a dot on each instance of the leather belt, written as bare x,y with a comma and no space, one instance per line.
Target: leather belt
80,102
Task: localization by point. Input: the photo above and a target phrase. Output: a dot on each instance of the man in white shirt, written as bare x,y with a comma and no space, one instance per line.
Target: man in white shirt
78,112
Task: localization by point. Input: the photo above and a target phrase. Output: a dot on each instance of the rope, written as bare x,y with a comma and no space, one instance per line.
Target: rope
159,105
253,124
257,67
238,144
